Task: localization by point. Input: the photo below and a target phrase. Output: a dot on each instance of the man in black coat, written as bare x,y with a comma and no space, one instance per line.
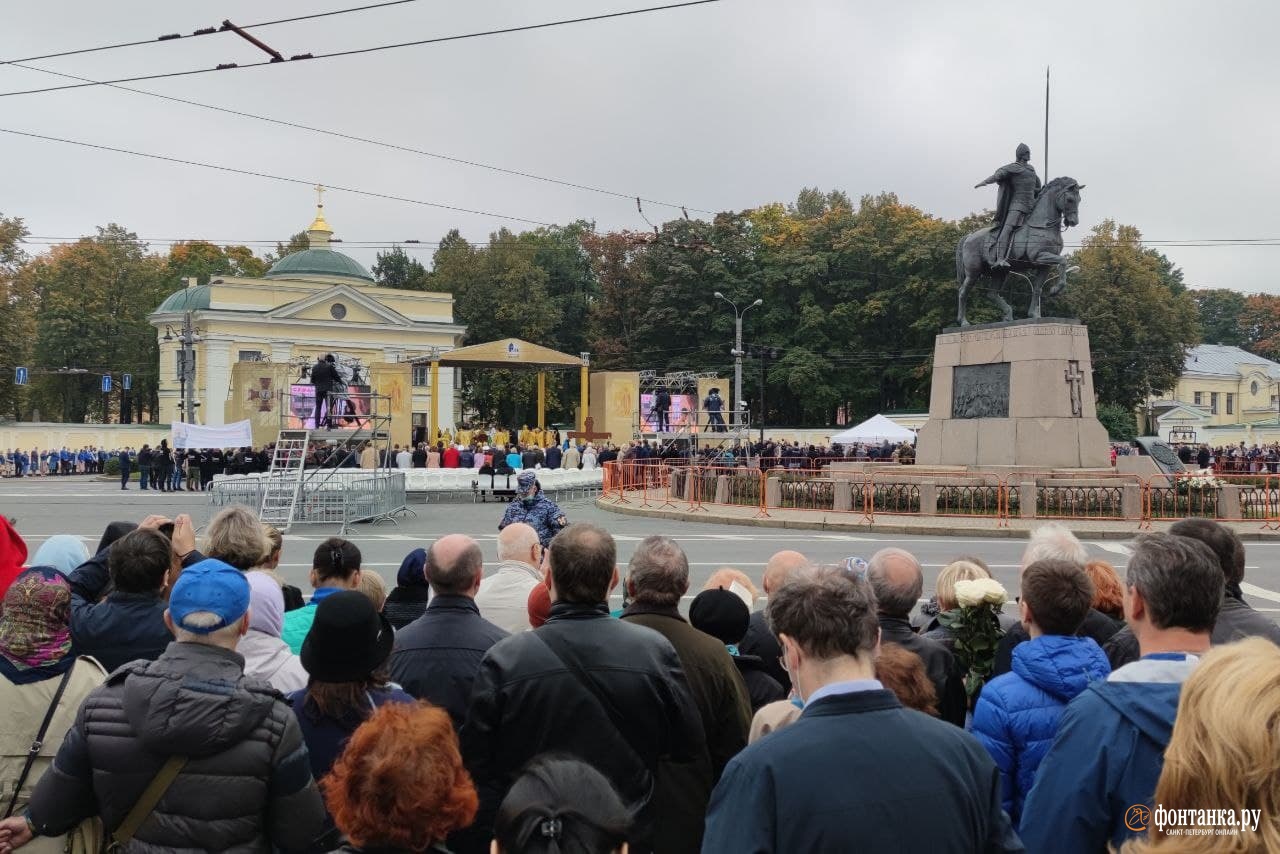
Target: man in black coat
898,581
436,657
602,690
662,410
856,771
759,640
325,378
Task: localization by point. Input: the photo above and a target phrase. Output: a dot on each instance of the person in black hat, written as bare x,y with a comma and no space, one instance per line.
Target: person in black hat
723,615
345,655
326,379
714,405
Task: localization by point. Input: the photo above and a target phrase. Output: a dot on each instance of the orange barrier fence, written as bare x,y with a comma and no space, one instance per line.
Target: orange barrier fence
893,490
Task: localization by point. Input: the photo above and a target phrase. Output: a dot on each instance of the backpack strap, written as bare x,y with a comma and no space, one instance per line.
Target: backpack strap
146,803
38,743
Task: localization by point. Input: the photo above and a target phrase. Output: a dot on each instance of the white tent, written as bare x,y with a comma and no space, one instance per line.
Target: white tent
875,429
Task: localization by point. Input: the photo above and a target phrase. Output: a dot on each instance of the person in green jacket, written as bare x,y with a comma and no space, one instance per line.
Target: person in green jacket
335,566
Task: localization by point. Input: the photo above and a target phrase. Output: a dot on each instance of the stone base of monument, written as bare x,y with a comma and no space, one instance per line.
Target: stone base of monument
1014,395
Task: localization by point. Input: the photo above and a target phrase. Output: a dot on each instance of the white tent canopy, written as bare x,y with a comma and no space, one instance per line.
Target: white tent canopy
875,429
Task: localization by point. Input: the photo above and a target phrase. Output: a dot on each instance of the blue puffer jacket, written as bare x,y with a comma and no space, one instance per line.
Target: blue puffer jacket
1018,713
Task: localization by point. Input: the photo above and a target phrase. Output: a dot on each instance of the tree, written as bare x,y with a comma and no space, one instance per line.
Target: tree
16,307
203,261
397,269
1260,325
1221,311
1121,423
1140,324
94,296
296,243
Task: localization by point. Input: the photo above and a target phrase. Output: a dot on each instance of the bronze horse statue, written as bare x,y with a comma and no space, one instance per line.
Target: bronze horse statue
1034,255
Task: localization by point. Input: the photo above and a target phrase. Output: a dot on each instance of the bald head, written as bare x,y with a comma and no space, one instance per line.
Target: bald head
780,567
455,565
519,541
897,579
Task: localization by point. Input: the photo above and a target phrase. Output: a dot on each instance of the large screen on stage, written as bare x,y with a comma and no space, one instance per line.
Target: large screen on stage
683,412
350,411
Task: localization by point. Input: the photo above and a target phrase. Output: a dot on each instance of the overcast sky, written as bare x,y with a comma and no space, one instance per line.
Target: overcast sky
1166,110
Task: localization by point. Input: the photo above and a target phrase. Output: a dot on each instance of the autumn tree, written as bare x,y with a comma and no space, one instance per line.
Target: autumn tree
1260,325
1140,320
203,261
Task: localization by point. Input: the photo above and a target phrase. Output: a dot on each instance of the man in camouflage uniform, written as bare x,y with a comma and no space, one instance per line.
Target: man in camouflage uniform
1017,197
534,509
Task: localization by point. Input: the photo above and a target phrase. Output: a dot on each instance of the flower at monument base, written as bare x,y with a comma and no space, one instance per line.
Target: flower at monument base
970,594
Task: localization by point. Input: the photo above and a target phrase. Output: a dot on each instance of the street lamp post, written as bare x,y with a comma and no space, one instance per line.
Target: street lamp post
187,371
737,352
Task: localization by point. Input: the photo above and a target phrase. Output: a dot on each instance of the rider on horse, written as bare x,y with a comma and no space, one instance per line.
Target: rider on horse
1019,184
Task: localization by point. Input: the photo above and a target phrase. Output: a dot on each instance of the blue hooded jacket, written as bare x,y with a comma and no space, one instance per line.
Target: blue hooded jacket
1018,713
1106,758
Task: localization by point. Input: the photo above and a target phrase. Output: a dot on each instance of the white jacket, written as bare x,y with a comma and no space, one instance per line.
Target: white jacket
504,596
268,657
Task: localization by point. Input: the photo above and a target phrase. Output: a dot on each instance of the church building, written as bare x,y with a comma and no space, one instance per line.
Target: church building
309,303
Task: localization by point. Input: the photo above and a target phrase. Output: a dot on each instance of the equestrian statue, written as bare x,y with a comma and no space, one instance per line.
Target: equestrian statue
1026,237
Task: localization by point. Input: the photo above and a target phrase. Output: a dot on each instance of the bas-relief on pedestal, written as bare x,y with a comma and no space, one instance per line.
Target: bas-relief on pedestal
1013,394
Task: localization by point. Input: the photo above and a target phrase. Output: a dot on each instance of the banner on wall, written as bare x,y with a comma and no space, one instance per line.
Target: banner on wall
237,435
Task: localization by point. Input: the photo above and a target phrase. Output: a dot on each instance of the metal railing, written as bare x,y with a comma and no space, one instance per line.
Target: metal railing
895,491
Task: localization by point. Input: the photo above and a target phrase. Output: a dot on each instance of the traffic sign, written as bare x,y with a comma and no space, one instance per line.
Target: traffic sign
106,383
19,376
127,382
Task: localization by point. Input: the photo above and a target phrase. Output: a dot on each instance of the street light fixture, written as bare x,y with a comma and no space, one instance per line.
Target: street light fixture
737,352
187,336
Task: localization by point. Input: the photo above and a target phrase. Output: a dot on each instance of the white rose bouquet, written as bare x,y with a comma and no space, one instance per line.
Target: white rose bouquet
976,629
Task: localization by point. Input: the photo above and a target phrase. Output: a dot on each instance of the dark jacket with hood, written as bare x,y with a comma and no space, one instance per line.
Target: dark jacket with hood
246,786
1107,757
1018,713
1236,621
528,701
762,689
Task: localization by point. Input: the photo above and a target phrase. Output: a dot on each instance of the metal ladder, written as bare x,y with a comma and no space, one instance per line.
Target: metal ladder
280,492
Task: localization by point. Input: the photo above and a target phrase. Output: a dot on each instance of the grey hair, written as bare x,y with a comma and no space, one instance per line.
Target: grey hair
1180,580
895,598
659,571
1054,541
203,619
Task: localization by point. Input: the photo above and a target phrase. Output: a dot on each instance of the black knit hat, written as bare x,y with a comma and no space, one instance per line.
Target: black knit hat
721,614
348,640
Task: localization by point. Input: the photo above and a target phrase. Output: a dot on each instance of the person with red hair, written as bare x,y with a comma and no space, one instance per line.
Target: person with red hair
1108,592
399,785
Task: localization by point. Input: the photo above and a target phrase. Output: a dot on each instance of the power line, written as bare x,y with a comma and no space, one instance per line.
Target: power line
208,31
354,138
375,49
283,178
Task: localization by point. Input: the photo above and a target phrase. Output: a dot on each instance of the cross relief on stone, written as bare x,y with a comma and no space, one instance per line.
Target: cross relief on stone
1074,379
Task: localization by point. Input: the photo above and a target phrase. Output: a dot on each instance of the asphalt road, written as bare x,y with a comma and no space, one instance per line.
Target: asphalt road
83,506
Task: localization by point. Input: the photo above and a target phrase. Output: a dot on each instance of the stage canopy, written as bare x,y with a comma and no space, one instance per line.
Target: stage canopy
877,428
508,354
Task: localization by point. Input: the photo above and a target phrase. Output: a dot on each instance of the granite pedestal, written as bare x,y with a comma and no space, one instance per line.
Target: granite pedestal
1014,394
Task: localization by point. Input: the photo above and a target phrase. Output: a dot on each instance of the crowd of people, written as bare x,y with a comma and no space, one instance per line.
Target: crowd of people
48,462
179,694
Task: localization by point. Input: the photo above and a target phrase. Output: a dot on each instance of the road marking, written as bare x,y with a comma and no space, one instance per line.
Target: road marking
1254,590
1114,548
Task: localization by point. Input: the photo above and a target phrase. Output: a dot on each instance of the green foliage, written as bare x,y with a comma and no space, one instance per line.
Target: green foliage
1221,312
1260,325
204,261
397,269
977,633
1121,423
16,303
1140,319
296,243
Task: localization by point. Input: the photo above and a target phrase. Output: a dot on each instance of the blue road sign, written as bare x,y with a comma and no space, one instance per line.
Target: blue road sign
127,382
19,376
106,383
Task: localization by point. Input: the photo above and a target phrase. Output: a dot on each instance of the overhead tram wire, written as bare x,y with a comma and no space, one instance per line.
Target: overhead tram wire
375,49
354,138
209,31
269,176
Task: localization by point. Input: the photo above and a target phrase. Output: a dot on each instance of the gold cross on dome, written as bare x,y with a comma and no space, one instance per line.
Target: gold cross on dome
320,195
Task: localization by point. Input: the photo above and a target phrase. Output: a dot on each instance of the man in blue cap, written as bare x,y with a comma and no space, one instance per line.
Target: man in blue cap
534,509
167,727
